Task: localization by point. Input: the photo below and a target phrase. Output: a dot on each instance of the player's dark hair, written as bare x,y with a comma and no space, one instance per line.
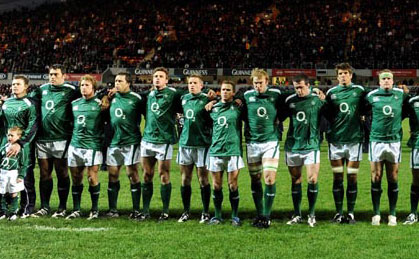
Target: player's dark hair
56,67
345,67
24,78
301,77
228,82
127,75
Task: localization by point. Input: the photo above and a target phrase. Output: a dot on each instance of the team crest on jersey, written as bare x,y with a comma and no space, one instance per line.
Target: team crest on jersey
252,99
272,99
45,92
93,108
130,102
292,105
395,97
62,94
416,104
333,96
313,103
376,99
4,107
201,102
165,95
19,109
215,109
114,101
354,94
76,108
153,93
183,102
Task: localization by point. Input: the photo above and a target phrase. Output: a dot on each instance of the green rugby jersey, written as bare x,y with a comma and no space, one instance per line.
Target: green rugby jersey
20,112
56,115
303,133
260,115
162,106
344,104
125,113
386,107
12,163
88,124
196,130
226,130
412,110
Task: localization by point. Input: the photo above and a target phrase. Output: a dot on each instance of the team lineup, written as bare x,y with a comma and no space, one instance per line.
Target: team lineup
63,128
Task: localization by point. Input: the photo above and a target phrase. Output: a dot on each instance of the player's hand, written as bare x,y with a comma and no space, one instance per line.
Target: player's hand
104,103
319,93
211,94
404,88
209,105
14,149
111,92
19,180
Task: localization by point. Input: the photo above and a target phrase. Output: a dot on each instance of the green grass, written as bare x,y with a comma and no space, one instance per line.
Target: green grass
123,238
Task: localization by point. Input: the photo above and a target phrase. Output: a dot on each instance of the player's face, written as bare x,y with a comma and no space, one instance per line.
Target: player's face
56,76
227,93
19,88
194,85
87,89
12,136
386,83
160,80
344,77
301,88
121,84
260,84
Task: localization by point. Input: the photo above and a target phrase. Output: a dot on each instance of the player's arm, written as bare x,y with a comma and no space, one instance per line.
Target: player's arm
21,172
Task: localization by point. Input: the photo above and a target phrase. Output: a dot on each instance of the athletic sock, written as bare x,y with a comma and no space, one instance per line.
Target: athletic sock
63,186
376,196
205,197
113,190
234,202
185,192
165,192
393,194
45,188
338,191
296,194
94,196
136,196
3,204
76,191
257,194
14,204
312,192
270,192
351,194
218,202
147,190
414,198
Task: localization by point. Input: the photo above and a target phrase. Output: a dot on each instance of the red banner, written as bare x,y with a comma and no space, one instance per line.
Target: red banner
76,77
293,72
397,72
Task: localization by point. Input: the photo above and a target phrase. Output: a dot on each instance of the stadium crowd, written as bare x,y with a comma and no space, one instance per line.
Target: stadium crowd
209,34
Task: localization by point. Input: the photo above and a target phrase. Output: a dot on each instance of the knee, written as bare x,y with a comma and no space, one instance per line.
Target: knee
165,178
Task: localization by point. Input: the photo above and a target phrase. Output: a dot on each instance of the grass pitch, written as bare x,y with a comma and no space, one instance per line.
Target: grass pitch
124,238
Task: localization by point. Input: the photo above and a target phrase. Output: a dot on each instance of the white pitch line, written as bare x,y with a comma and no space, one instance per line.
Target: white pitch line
44,228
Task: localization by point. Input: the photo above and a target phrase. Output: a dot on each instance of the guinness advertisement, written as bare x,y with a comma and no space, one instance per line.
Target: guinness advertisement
140,71
196,71
34,76
237,72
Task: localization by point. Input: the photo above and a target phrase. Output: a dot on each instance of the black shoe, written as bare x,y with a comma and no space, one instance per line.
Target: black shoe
256,221
163,217
143,217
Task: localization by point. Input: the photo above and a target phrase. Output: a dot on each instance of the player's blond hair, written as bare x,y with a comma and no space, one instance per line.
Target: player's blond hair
91,79
259,73
196,76
16,129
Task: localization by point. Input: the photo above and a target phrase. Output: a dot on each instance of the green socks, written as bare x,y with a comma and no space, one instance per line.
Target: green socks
205,197
113,190
257,194
94,196
338,191
218,202
185,192
351,193
414,198
376,196
136,196
165,192
76,191
312,192
45,188
270,192
393,194
296,194
234,201
63,191
147,190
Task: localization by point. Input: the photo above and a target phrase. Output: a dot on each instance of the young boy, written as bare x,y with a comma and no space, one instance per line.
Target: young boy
11,177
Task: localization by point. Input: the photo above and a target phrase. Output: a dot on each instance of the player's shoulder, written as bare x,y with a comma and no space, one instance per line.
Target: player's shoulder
414,99
290,98
360,87
331,90
249,92
70,86
171,89
45,86
136,95
28,101
396,89
274,90
372,92
77,100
